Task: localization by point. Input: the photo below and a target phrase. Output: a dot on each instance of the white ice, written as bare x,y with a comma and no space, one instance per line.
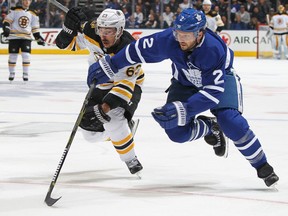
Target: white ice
36,120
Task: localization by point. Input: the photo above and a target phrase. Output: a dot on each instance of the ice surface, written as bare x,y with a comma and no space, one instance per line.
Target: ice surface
36,120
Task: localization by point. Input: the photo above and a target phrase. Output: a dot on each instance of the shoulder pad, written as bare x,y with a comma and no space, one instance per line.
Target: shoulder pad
213,13
33,12
16,8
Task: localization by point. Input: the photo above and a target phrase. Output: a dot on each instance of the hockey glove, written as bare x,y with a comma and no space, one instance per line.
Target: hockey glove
40,40
73,19
94,118
6,29
171,115
101,71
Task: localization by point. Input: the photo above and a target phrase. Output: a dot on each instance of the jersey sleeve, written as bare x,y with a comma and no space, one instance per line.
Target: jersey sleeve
149,49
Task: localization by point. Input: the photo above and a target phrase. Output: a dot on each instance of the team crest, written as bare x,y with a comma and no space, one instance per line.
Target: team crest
23,21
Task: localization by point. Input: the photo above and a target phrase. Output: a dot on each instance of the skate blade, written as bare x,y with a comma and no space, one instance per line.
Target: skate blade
138,175
227,148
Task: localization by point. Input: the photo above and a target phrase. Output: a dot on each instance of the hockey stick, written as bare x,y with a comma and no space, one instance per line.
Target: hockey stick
4,40
48,199
59,5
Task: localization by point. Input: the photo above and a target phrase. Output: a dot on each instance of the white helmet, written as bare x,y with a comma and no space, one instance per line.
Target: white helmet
206,2
111,18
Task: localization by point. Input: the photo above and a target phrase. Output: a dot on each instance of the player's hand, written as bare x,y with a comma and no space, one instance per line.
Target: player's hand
171,115
6,30
101,71
41,41
73,19
93,118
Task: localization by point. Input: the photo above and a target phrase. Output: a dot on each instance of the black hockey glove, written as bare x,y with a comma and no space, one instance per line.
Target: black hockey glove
94,118
73,19
6,29
40,40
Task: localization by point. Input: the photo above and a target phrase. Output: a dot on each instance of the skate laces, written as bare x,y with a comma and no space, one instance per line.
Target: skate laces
216,133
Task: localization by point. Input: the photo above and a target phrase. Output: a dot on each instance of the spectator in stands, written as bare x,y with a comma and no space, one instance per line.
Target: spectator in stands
264,8
56,18
127,15
185,4
253,23
127,5
113,5
249,6
152,22
167,17
40,7
223,7
156,6
257,15
198,4
244,18
138,17
173,5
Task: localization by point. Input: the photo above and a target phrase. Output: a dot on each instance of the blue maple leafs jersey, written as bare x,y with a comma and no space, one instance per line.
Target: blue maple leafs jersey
204,68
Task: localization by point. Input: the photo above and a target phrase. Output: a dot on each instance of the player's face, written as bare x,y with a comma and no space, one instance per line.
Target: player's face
26,3
206,8
187,40
108,36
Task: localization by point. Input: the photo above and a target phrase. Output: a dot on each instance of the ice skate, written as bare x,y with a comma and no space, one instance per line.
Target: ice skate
25,77
134,166
217,138
11,77
266,173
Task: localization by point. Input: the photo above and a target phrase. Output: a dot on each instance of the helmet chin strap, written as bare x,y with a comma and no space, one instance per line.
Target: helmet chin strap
197,42
117,37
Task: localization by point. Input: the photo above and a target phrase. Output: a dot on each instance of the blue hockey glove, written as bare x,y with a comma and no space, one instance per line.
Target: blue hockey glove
171,115
101,71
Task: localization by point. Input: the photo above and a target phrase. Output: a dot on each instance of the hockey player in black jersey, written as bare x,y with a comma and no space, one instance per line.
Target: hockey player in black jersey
112,105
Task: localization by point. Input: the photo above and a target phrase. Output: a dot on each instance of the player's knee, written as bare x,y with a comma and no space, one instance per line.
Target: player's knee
92,136
232,123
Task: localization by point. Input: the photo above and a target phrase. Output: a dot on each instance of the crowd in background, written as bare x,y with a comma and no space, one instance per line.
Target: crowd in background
241,15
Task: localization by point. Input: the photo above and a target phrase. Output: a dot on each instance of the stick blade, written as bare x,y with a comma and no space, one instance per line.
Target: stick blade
49,200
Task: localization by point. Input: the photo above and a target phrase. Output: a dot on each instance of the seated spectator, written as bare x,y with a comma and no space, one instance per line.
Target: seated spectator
127,15
167,17
156,6
260,15
244,17
152,22
249,6
185,4
138,17
173,5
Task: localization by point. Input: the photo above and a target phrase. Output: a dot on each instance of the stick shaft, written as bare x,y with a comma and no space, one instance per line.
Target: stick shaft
50,201
59,5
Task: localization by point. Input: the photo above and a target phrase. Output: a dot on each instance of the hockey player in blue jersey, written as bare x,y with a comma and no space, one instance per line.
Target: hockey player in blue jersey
203,79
